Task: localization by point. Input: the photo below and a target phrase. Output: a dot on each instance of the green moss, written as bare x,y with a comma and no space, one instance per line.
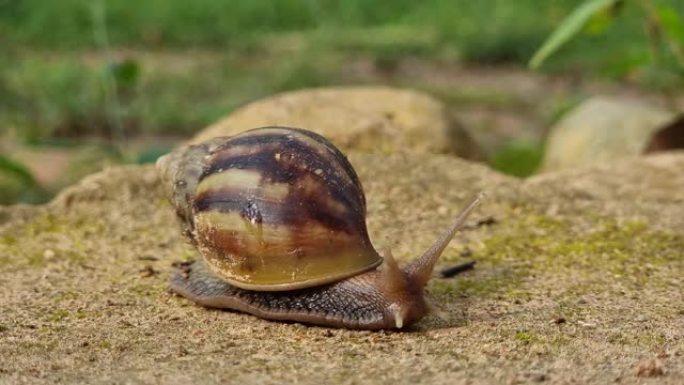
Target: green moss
147,289
104,344
524,337
48,232
58,315
81,314
48,223
76,257
542,243
8,240
558,341
35,260
477,284
629,252
643,340
64,296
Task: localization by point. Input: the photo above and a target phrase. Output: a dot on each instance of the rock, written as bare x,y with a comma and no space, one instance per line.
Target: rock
649,188
364,118
604,129
96,309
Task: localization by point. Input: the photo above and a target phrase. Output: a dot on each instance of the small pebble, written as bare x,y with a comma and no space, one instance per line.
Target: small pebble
535,376
486,222
148,271
649,368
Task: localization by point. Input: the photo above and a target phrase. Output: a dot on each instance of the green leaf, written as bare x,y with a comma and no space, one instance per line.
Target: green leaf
568,28
12,167
672,23
600,22
518,158
125,72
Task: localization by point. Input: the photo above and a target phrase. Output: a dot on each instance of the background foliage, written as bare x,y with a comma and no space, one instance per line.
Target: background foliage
109,71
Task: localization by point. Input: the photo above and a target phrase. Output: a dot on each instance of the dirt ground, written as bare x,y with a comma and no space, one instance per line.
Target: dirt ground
578,280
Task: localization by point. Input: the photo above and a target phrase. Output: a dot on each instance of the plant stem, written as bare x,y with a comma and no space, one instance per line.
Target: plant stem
112,102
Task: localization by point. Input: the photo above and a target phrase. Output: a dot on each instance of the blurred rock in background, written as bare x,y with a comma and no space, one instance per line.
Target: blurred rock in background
603,129
364,118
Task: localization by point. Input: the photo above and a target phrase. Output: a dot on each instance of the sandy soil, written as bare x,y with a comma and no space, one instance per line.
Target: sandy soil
578,280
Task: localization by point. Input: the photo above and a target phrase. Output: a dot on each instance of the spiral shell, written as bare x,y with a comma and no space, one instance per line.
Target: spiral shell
271,209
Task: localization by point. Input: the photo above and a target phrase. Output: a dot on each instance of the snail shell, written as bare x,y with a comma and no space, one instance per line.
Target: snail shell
273,209
278,215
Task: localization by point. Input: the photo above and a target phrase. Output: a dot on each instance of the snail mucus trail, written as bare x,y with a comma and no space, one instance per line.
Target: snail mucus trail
279,217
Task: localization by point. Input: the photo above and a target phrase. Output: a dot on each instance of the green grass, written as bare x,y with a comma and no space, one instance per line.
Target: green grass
65,94
518,158
17,183
69,23
56,80
481,31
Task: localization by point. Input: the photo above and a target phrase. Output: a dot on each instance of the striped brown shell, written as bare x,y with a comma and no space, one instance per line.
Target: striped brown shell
271,209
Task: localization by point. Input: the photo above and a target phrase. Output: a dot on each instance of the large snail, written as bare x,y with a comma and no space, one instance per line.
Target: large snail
278,215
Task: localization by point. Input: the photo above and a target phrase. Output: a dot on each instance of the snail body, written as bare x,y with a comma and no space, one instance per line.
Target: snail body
278,215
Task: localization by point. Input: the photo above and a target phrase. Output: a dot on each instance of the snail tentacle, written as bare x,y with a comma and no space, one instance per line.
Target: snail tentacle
420,270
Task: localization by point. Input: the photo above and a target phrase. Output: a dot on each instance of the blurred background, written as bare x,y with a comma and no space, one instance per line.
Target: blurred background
90,83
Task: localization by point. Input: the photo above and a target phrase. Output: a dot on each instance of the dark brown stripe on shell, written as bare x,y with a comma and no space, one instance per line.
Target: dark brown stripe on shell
294,154
295,210
346,188
254,137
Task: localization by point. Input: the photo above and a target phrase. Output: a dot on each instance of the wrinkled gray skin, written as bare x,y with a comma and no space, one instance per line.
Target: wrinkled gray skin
354,303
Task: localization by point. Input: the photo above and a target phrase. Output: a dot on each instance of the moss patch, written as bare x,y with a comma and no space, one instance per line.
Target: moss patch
628,252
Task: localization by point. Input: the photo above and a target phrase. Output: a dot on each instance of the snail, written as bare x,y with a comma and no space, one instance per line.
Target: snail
278,215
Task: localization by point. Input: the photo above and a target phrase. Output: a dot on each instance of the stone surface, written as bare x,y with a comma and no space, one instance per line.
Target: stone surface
603,129
578,280
363,118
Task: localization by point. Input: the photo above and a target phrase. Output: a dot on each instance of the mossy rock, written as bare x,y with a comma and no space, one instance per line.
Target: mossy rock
578,280
360,118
